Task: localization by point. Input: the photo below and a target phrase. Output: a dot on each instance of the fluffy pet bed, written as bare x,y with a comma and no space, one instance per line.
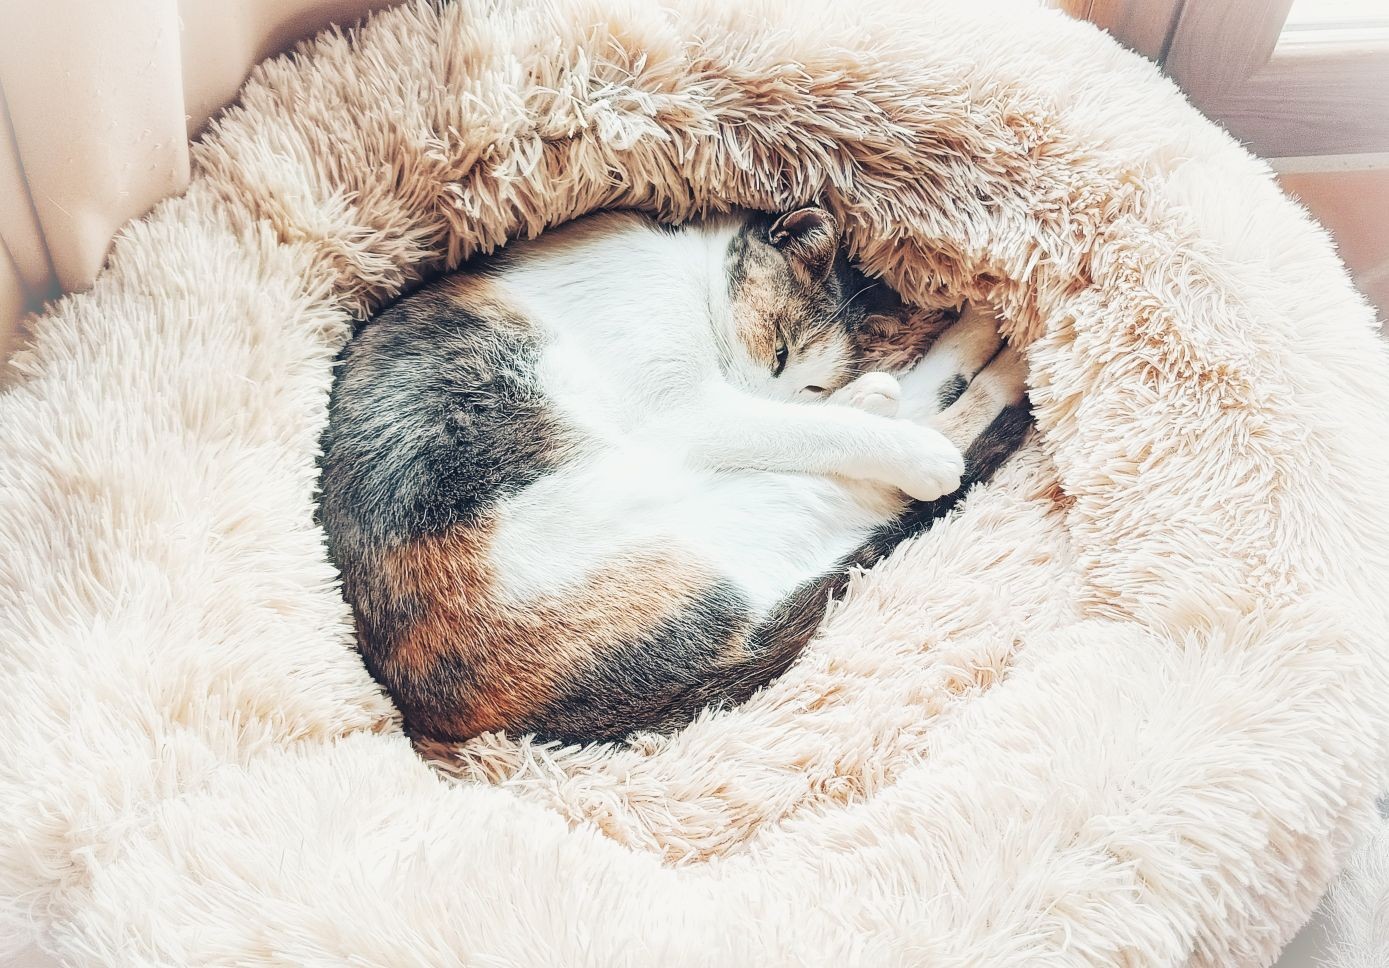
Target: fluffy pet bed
1127,707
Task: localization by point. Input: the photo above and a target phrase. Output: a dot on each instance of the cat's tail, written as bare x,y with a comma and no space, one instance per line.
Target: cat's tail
989,421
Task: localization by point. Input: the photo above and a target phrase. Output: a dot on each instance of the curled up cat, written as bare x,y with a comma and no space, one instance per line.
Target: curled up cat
614,475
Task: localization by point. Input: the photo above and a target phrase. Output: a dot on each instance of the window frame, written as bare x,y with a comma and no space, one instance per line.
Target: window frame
1294,95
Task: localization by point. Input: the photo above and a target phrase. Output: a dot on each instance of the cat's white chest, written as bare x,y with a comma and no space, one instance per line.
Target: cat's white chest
627,356
749,527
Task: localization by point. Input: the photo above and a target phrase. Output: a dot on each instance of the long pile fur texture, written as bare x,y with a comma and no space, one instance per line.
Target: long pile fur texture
1128,707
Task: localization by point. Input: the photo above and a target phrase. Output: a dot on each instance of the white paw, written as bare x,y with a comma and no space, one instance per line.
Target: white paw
875,393
933,466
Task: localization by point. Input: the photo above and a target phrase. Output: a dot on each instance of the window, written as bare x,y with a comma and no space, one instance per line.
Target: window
1287,77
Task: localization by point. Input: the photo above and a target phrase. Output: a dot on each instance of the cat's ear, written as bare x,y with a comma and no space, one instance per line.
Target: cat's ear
810,238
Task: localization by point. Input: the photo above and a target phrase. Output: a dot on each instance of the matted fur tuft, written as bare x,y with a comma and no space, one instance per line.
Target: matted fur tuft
1126,707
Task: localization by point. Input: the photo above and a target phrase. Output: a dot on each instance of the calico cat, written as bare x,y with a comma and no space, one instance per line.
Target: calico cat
614,475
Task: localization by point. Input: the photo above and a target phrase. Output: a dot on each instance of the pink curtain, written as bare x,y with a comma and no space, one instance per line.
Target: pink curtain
98,99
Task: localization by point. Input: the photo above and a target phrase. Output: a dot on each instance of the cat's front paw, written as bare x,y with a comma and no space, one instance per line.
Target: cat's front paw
876,393
934,466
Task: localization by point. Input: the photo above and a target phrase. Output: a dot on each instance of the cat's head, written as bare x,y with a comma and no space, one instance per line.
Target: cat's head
794,306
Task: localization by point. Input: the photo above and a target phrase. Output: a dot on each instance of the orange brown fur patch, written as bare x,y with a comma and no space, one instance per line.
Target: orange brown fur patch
761,297
475,292
471,661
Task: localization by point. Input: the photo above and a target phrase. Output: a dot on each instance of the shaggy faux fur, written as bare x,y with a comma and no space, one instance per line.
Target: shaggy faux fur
1128,707
1358,905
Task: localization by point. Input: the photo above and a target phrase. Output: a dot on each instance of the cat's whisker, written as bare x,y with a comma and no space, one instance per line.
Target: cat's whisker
839,310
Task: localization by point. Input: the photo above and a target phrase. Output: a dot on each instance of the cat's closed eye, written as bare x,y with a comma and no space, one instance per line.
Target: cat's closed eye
782,354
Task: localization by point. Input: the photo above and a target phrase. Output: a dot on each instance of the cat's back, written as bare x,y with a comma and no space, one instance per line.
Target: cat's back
620,287
436,411
514,555
486,379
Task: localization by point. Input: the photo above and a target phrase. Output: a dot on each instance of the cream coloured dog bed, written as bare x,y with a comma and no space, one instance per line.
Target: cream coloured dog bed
1127,707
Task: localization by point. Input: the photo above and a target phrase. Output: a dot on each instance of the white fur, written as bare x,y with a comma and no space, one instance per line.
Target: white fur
636,304
695,449
879,393
1126,708
765,531
1358,903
